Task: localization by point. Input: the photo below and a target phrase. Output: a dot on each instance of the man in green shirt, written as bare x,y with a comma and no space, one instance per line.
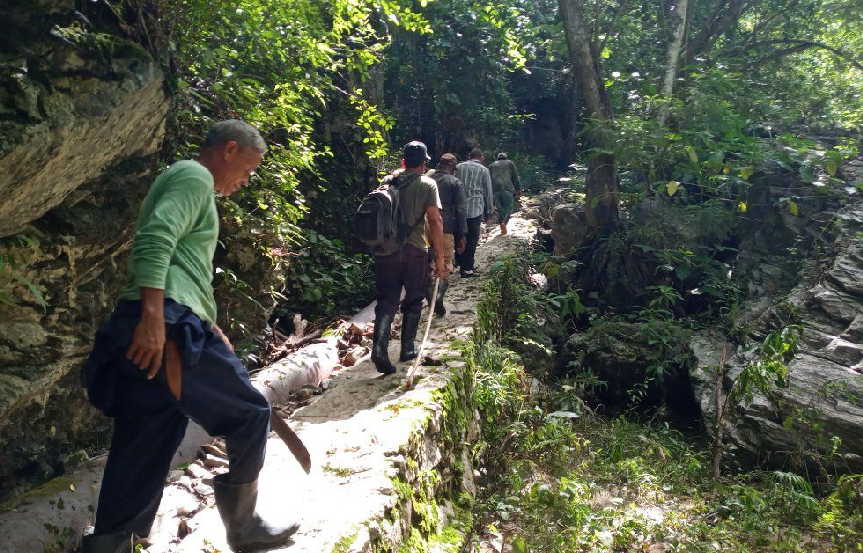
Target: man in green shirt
165,323
506,187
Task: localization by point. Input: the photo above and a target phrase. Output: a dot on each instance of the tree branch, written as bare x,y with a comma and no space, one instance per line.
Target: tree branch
799,46
725,16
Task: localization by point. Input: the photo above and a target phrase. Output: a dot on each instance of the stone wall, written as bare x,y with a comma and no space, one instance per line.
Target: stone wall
82,116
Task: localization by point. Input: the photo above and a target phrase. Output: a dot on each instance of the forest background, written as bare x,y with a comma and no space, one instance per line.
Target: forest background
336,87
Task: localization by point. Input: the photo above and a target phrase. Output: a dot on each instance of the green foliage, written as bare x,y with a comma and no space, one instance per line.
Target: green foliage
448,87
842,520
769,369
324,280
511,305
559,479
291,69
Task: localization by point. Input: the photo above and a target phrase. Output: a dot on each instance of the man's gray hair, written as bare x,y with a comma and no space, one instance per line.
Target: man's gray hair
240,132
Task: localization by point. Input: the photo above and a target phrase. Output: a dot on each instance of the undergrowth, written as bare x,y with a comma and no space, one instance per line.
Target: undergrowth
558,478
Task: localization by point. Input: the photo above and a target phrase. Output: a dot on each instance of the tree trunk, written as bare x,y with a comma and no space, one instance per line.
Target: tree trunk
602,202
675,48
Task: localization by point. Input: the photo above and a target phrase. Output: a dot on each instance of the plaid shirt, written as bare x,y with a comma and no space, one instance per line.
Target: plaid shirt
476,180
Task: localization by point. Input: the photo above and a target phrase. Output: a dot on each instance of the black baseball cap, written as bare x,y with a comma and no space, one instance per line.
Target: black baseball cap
415,152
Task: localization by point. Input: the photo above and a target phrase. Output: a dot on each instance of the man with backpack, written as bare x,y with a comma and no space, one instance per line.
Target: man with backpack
476,180
410,199
452,199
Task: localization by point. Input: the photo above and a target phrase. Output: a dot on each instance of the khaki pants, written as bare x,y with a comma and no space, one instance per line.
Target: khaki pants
448,253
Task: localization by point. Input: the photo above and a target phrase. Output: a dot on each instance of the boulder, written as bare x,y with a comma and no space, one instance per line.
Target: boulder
568,228
540,207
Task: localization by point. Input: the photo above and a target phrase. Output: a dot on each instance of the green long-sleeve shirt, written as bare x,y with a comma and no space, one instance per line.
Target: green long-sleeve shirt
175,239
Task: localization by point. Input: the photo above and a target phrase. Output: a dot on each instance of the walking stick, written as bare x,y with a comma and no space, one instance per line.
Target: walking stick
410,381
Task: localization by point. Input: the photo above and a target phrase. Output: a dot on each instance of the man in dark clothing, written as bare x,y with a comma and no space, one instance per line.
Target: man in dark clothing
419,208
506,187
476,180
166,316
452,199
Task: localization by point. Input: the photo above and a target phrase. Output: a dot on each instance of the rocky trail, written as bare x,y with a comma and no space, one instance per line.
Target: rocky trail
386,461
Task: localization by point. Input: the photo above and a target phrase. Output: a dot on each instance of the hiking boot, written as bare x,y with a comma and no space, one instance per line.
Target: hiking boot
380,346
410,324
469,274
439,309
118,542
245,529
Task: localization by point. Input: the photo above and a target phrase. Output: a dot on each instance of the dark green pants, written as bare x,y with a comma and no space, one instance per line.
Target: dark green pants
505,202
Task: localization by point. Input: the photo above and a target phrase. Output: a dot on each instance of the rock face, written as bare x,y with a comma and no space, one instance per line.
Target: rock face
823,400
75,102
82,115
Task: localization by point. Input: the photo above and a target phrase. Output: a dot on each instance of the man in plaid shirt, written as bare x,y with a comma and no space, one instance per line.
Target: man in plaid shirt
476,180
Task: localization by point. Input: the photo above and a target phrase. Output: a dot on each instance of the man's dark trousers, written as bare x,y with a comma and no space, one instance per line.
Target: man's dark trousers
149,425
466,259
407,267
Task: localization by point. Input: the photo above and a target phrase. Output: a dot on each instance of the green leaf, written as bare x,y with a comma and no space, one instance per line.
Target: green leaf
606,53
671,187
793,209
519,545
742,207
690,151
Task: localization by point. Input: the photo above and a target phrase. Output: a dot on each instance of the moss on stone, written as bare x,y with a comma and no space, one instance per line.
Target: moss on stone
344,544
101,46
425,494
48,489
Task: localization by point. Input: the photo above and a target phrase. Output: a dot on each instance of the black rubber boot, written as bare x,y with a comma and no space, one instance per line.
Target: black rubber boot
245,529
119,542
410,324
439,309
380,347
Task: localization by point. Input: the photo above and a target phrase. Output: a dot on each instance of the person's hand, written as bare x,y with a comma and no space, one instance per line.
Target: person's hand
461,246
218,332
441,269
148,344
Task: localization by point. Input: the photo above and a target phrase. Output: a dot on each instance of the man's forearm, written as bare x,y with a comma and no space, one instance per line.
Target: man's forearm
436,235
152,304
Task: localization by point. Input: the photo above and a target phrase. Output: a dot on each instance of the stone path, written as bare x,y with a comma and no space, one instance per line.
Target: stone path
367,436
